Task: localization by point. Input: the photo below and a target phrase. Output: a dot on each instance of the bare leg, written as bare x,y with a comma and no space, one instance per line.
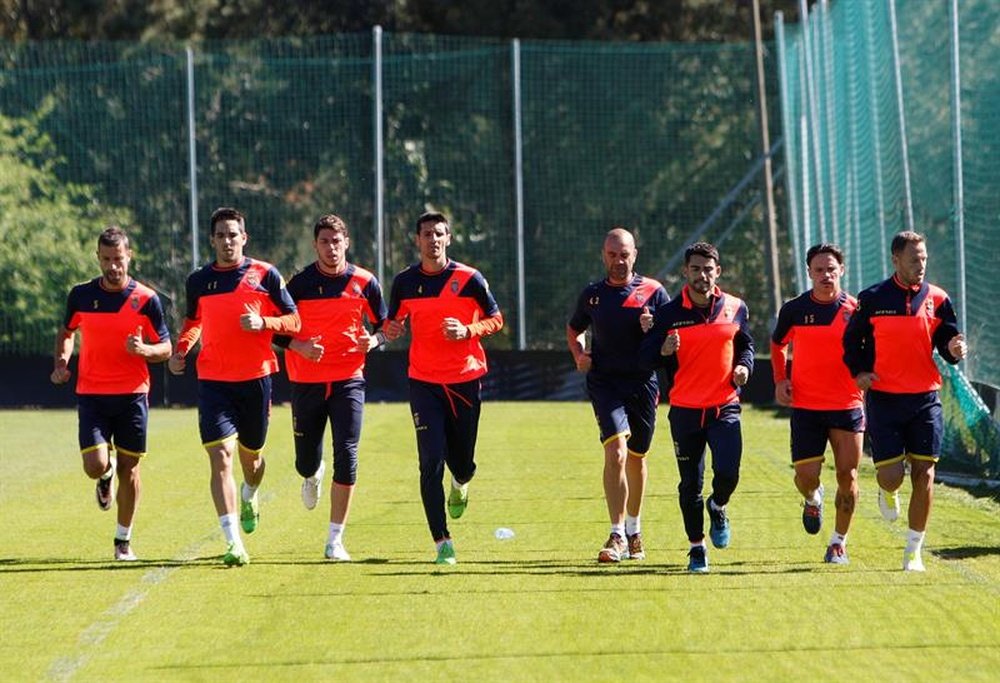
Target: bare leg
340,502
847,458
222,484
129,488
922,478
615,482
636,474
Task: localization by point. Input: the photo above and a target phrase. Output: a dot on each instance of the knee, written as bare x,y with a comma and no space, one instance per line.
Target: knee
345,471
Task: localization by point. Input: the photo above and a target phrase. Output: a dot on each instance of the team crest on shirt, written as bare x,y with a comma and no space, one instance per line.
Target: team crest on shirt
929,306
357,289
454,286
134,302
846,315
253,279
594,300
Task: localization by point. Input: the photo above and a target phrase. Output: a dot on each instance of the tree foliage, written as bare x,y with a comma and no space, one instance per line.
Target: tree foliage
48,229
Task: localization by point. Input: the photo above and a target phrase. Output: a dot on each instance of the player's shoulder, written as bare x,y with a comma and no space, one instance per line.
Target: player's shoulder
84,287
938,293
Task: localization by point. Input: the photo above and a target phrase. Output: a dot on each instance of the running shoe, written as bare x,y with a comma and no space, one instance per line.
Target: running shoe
635,549
888,505
312,487
812,515
698,560
236,556
614,550
836,554
718,525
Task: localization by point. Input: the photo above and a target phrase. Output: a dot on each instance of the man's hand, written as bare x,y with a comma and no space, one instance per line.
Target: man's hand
60,373
864,380
670,344
741,374
645,319
958,347
177,364
783,392
583,361
310,349
251,320
454,329
394,329
134,344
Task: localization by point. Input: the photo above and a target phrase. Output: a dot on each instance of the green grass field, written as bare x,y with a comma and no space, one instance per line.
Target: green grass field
534,608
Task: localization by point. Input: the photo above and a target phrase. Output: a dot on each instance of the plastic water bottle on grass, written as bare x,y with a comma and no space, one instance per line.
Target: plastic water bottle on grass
504,534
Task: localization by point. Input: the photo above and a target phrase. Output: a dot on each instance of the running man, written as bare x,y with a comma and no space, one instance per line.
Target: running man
450,308
619,310
326,368
888,346
826,403
234,306
123,329
703,339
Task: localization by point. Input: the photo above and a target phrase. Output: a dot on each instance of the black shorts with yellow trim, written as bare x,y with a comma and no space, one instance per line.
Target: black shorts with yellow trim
810,430
118,420
901,425
625,406
234,409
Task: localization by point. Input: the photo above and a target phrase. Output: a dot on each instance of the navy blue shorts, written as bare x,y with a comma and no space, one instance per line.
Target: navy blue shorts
904,424
339,403
118,420
625,407
241,409
811,429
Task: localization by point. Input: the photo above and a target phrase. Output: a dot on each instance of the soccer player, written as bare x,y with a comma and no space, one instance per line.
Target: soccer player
450,308
888,346
826,403
702,337
326,369
234,305
619,310
123,329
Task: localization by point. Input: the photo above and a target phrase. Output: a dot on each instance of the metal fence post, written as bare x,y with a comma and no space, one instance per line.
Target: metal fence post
522,336
379,142
959,181
192,159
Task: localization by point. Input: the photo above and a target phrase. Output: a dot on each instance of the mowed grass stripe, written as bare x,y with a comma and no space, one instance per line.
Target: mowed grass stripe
535,607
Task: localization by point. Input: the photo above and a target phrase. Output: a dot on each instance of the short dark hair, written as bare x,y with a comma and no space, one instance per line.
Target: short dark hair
901,239
226,213
701,249
112,236
824,248
330,222
431,217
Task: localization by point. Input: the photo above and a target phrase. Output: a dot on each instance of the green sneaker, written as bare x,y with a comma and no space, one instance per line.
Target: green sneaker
249,513
458,500
446,553
236,556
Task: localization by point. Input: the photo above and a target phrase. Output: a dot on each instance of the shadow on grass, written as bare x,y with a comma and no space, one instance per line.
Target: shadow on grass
965,552
28,565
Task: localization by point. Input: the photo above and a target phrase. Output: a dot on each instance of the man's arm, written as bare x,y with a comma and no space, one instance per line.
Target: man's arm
576,343
858,343
743,349
64,351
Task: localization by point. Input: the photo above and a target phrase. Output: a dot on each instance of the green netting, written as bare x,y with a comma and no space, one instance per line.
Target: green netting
971,436
648,136
871,147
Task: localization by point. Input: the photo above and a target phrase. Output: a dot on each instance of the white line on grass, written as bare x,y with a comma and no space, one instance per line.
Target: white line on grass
64,668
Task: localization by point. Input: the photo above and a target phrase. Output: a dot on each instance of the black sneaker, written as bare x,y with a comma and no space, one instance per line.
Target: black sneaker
105,490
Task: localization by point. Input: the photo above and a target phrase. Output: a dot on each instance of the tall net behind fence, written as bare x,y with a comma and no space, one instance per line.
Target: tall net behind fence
871,143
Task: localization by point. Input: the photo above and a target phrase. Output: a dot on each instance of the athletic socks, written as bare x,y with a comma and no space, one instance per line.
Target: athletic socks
632,525
618,529
247,491
123,533
108,473
914,540
231,528
838,539
336,533
814,499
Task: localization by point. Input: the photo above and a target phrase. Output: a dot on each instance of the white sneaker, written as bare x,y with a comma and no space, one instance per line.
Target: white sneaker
123,551
888,505
912,561
312,487
336,552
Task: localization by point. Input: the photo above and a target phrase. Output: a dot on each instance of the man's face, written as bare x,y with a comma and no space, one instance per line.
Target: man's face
114,264
701,273
825,273
911,263
228,238
619,258
331,249
433,240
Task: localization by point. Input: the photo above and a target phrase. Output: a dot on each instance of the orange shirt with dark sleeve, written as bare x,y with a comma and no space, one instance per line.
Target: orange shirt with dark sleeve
105,319
426,299
713,341
333,308
894,332
814,330
216,298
